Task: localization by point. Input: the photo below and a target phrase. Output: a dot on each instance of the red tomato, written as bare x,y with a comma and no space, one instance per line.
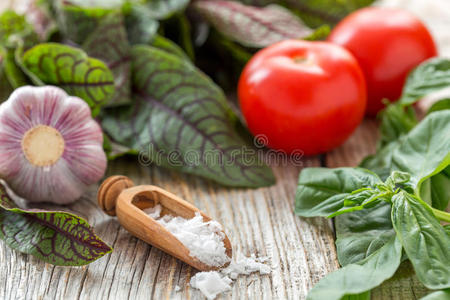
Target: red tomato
303,96
387,43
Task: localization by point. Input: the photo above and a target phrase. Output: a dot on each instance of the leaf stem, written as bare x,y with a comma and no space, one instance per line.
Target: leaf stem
441,215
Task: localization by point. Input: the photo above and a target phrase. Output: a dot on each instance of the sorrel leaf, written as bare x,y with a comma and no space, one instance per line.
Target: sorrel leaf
163,9
14,74
58,238
362,276
14,27
109,43
360,233
77,21
181,120
316,13
167,45
322,191
252,26
430,76
71,69
140,26
5,87
424,239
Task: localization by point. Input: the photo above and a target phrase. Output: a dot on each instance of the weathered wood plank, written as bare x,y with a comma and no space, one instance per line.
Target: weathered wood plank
258,222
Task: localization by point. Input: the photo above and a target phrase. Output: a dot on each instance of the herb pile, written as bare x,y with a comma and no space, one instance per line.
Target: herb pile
389,208
132,62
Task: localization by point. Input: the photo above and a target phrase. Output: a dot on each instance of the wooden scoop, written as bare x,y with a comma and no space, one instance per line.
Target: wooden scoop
118,196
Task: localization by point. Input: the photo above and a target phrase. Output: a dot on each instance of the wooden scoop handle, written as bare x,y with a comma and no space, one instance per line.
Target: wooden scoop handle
110,190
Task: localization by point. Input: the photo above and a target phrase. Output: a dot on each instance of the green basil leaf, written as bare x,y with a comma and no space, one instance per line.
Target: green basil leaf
396,121
362,296
56,237
71,69
252,26
439,105
181,120
168,46
436,191
140,25
109,43
438,295
423,152
426,149
360,277
381,162
361,233
358,200
430,76
322,191
424,239
447,229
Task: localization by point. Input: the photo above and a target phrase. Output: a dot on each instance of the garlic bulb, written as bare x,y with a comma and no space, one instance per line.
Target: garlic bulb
50,147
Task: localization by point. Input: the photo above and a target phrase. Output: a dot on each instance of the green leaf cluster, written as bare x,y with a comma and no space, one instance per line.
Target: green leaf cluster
397,196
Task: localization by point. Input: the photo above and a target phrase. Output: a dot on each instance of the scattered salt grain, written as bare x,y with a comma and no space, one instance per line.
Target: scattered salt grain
211,283
215,282
245,266
205,242
203,239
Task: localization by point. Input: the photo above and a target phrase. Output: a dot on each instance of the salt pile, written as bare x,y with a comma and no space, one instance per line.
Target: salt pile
205,242
203,239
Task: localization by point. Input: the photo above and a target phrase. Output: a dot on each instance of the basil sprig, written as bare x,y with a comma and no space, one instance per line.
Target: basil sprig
399,195
415,223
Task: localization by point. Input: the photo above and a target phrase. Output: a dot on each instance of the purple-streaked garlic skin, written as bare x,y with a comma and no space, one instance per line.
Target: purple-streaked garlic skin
55,176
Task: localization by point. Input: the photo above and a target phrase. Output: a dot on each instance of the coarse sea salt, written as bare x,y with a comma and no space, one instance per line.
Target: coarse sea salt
205,242
216,282
203,239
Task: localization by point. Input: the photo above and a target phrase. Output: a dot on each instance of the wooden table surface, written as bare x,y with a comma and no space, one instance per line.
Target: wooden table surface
259,221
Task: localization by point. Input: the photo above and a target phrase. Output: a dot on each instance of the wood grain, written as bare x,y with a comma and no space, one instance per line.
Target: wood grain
258,222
